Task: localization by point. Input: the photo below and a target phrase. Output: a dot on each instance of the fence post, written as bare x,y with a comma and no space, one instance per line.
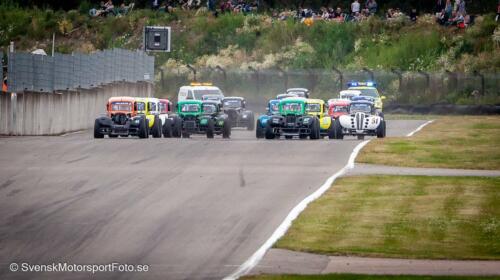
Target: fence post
370,72
256,73
481,76
285,75
427,78
162,79
341,76
193,70
453,76
218,68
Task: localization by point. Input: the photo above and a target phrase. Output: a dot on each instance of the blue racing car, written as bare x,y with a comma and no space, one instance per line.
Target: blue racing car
272,108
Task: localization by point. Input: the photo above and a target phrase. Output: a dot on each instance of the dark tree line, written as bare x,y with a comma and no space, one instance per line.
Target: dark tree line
473,6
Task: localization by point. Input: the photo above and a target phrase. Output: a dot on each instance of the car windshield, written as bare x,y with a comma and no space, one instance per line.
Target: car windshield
190,108
313,107
121,106
163,107
232,103
209,108
372,92
199,93
292,107
340,109
298,93
152,106
274,107
140,106
360,107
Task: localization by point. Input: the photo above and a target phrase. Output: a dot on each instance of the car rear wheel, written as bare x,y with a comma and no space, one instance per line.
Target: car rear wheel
226,129
143,128
177,127
97,130
314,129
156,129
259,130
269,134
337,127
210,128
167,128
381,129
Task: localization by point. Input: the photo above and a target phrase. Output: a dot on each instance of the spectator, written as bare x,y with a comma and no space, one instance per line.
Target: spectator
355,7
109,7
440,4
461,7
498,11
372,6
155,4
448,9
413,15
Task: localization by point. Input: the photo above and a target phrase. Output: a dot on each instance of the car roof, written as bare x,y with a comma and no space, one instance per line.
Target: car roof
233,97
297,89
163,100
200,87
293,99
362,87
339,102
190,101
362,102
210,102
121,98
347,91
319,101
152,99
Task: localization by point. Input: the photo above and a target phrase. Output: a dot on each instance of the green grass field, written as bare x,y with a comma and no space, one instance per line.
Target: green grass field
469,142
404,217
362,277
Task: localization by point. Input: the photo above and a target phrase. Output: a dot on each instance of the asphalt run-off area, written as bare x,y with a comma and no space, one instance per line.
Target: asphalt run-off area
189,208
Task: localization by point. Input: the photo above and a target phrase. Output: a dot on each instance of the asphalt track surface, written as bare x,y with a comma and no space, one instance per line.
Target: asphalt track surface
189,208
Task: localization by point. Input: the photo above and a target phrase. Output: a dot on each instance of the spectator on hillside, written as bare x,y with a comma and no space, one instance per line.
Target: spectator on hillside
461,7
372,6
109,7
413,15
355,7
155,4
448,9
498,11
440,4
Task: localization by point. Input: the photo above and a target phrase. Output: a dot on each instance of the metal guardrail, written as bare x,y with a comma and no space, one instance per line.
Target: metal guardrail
39,73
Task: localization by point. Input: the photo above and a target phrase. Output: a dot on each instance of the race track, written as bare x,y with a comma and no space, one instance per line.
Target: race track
190,208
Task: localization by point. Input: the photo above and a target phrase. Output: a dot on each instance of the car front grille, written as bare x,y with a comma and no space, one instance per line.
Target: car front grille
359,120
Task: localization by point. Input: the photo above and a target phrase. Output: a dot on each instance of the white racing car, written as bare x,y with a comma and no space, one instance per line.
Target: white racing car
362,120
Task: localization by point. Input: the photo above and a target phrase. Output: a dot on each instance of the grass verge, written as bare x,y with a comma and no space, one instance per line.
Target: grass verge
362,277
469,142
404,217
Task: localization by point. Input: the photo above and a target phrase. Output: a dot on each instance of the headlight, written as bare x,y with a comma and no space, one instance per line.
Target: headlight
306,120
276,120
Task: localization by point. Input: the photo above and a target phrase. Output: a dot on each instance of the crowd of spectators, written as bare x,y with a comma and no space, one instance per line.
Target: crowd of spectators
453,14
108,8
448,12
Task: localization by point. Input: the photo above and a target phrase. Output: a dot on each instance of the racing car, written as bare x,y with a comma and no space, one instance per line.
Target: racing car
260,126
368,89
238,115
316,108
150,107
338,107
200,117
362,120
299,92
292,120
122,119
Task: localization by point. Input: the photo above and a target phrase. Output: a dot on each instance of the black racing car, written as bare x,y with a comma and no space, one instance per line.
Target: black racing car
238,115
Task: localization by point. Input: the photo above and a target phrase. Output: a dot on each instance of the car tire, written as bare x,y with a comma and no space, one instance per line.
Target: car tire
210,128
259,130
269,133
251,122
97,128
177,127
156,129
167,128
331,130
381,130
314,129
143,129
337,127
226,129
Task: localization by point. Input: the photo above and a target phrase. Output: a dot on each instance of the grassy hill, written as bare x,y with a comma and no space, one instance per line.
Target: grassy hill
237,41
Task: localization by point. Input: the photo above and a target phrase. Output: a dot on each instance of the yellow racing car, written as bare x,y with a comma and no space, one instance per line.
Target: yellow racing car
317,108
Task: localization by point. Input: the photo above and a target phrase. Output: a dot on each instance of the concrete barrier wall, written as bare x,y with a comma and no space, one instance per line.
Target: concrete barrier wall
30,113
